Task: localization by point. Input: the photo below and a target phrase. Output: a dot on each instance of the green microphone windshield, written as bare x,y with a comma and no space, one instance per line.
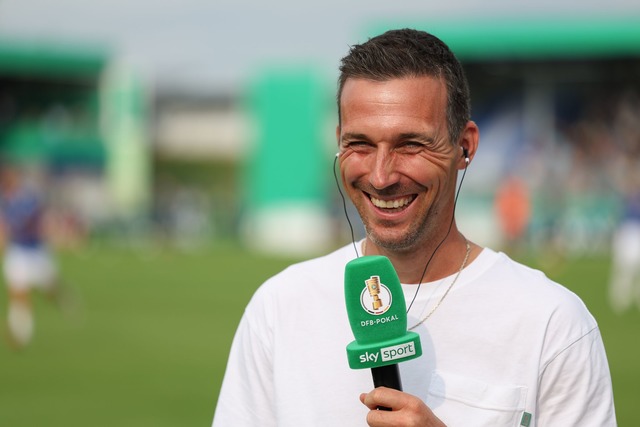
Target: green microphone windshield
377,314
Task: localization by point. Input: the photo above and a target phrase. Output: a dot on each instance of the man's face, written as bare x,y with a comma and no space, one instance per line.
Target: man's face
396,162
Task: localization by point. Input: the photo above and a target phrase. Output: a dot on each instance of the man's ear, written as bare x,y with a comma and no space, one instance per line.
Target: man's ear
468,141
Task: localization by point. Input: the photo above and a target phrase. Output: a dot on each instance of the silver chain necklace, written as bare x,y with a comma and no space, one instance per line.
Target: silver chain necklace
455,279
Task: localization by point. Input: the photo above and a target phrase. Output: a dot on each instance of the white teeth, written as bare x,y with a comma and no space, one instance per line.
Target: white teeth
391,204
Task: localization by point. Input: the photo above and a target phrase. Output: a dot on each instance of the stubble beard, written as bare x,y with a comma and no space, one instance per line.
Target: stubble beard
406,242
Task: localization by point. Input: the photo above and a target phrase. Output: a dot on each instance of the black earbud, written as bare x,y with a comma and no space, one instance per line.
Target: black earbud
465,154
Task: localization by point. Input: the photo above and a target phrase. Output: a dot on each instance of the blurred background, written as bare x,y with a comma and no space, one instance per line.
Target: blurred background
184,149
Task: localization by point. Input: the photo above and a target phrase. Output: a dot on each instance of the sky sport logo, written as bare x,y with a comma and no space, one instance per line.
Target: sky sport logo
395,352
375,297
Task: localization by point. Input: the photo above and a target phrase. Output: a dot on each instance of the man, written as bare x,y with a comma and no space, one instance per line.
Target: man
27,263
502,344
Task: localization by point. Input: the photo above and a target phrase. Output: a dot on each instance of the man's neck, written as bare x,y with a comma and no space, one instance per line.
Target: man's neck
410,264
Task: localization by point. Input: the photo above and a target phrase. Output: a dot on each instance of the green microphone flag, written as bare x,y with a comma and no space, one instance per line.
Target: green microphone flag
377,314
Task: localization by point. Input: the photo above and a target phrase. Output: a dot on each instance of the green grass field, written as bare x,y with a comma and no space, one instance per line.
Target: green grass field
146,341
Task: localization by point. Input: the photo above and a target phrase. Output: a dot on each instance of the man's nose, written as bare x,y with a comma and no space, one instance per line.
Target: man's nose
383,169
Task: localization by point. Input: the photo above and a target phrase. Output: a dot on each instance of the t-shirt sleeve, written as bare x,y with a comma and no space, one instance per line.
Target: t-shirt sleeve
246,397
575,386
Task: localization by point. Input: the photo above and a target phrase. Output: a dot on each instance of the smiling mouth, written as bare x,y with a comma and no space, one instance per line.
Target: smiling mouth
398,203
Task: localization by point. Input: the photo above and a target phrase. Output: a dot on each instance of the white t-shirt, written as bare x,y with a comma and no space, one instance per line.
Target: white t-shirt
507,347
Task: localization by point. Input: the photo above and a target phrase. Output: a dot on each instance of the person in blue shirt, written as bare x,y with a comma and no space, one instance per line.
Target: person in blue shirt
28,263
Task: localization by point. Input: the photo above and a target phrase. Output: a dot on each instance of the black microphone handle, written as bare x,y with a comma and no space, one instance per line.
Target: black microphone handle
386,376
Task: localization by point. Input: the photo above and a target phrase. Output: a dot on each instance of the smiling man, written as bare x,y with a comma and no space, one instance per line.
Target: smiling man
502,344
399,167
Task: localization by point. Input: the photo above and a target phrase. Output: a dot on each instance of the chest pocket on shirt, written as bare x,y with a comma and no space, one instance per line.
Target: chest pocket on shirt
459,401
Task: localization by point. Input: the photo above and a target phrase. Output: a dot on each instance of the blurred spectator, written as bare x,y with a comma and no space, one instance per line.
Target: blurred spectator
624,285
513,209
28,263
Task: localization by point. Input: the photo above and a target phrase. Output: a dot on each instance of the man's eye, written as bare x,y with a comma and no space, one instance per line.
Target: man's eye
359,145
412,146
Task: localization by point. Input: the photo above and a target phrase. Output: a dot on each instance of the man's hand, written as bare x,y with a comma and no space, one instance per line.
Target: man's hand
406,410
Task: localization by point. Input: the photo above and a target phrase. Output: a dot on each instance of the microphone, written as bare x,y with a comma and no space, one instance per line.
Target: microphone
378,317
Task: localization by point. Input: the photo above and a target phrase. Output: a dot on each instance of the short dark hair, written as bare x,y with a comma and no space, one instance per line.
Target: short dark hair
411,53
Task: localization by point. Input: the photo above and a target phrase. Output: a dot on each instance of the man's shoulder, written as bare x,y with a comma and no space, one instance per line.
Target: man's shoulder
535,290
515,273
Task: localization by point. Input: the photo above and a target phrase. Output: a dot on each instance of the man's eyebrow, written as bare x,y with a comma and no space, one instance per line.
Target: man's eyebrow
355,136
415,136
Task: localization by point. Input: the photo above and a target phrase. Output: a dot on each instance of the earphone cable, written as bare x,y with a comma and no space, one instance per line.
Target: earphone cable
424,272
344,206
